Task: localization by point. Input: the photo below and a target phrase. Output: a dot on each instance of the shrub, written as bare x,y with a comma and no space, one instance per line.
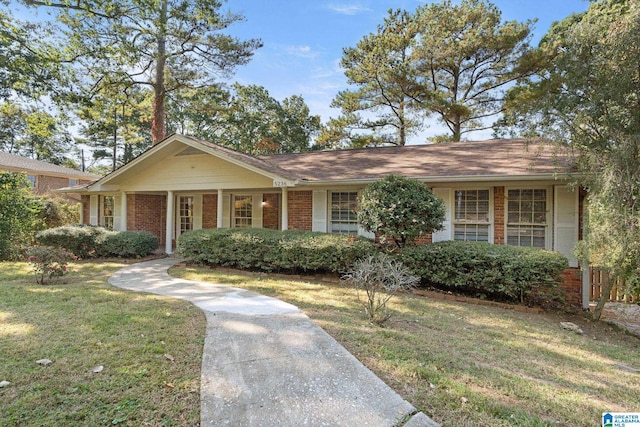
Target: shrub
400,208
82,240
48,263
18,215
127,244
271,250
56,212
527,275
379,277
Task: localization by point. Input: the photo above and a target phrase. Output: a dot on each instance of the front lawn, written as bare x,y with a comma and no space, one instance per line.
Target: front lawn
147,349
468,365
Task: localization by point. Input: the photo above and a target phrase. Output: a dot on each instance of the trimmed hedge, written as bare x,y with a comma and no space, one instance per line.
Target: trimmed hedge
128,244
271,250
87,241
81,240
501,272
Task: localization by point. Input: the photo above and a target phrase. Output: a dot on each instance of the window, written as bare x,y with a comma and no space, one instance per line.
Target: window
72,182
185,213
471,221
242,211
108,206
32,180
343,213
527,218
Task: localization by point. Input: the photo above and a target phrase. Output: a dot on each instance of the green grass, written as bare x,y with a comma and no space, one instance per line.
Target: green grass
468,365
81,322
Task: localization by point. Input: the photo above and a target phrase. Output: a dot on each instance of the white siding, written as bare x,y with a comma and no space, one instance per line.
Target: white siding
193,173
256,211
117,213
93,210
565,222
319,204
445,233
197,211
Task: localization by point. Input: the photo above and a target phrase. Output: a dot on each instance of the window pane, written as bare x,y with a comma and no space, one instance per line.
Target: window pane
108,204
343,213
527,217
242,210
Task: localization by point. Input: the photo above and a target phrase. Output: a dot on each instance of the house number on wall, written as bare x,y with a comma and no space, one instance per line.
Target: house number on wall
277,183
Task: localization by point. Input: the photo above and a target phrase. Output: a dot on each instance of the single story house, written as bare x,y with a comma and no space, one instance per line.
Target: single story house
512,191
46,177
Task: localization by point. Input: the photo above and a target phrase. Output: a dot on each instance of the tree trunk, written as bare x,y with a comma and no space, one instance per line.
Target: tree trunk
604,297
158,124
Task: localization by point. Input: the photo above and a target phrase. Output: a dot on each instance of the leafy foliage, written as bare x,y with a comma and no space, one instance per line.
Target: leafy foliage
400,209
18,213
526,275
90,241
587,97
271,250
451,60
379,277
128,244
49,263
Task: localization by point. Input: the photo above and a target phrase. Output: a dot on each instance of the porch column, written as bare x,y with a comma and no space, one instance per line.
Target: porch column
220,209
285,209
123,211
168,246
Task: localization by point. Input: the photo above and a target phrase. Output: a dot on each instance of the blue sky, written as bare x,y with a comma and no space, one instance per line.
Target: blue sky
303,42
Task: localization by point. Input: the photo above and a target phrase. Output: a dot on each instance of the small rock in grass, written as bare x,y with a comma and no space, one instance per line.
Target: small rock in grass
44,362
169,357
572,327
4,384
97,369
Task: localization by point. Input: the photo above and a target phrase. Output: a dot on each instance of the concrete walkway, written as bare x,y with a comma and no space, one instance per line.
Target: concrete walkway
267,364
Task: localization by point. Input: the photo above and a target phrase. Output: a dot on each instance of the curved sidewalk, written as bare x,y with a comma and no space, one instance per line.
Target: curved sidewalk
267,364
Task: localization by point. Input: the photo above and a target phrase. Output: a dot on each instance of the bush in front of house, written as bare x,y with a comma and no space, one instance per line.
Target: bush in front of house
48,263
82,240
501,272
400,209
87,241
272,250
127,244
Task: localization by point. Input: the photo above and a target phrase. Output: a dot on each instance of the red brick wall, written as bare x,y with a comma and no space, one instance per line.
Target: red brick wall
271,211
86,201
300,210
209,211
572,286
147,212
498,215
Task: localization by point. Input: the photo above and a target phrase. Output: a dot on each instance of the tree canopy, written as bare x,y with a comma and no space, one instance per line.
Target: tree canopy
588,97
454,61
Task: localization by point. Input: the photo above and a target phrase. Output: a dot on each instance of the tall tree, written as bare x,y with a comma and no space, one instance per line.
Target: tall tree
588,97
454,61
381,69
167,45
466,57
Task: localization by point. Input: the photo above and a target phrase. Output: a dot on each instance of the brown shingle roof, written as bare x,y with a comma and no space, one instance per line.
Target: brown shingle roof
35,167
500,158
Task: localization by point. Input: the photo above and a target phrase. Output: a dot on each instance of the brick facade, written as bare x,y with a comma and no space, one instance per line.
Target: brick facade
85,200
271,211
147,212
209,211
300,210
572,286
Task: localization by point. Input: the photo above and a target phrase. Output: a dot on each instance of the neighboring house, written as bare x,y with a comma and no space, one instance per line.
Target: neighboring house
46,177
499,191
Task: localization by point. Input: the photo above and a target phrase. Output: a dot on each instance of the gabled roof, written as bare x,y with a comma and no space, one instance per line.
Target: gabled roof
504,158
15,163
496,159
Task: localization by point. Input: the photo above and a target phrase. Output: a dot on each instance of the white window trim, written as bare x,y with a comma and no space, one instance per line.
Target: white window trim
101,216
490,214
548,236
233,208
329,210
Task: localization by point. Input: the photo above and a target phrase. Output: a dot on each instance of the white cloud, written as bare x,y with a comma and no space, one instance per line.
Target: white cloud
348,9
301,51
